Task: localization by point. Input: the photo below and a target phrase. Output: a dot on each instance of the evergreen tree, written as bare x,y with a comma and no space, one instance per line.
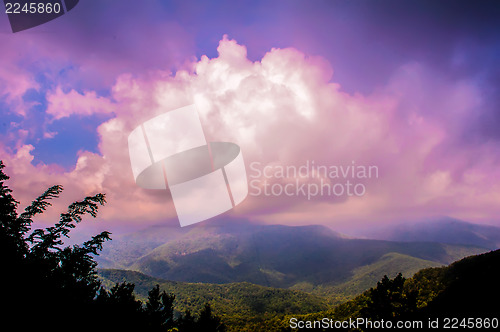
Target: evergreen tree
390,300
160,309
209,322
187,322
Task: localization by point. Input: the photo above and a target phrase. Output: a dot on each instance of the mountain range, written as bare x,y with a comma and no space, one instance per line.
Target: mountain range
313,259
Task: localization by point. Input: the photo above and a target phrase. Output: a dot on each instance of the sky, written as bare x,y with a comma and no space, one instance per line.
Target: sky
409,87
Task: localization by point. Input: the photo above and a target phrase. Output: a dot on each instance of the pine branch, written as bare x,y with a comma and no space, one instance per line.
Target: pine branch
37,206
95,244
50,238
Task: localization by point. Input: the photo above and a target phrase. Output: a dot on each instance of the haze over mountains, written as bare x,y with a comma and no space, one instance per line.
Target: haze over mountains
442,230
314,258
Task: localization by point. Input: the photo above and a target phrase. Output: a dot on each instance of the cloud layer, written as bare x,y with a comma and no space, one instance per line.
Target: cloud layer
284,109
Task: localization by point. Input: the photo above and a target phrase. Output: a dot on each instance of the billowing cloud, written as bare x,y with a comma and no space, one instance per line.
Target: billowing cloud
286,110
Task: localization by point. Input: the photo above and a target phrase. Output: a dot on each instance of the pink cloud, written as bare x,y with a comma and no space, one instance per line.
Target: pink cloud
65,104
14,82
285,110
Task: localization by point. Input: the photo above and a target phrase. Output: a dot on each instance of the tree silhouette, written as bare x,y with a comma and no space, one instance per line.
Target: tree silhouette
48,286
187,322
390,300
41,277
209,322
160,309
119,309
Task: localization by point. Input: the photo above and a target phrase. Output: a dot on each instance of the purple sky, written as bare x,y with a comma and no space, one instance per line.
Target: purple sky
411,87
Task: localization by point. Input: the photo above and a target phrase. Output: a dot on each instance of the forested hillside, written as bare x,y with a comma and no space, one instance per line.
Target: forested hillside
466,289
240,305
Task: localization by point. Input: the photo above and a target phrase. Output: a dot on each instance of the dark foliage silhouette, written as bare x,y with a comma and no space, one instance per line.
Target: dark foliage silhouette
187,323
390,300
49,286
160,310
208,321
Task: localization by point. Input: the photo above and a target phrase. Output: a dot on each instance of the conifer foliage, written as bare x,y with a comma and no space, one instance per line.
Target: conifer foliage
49,285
